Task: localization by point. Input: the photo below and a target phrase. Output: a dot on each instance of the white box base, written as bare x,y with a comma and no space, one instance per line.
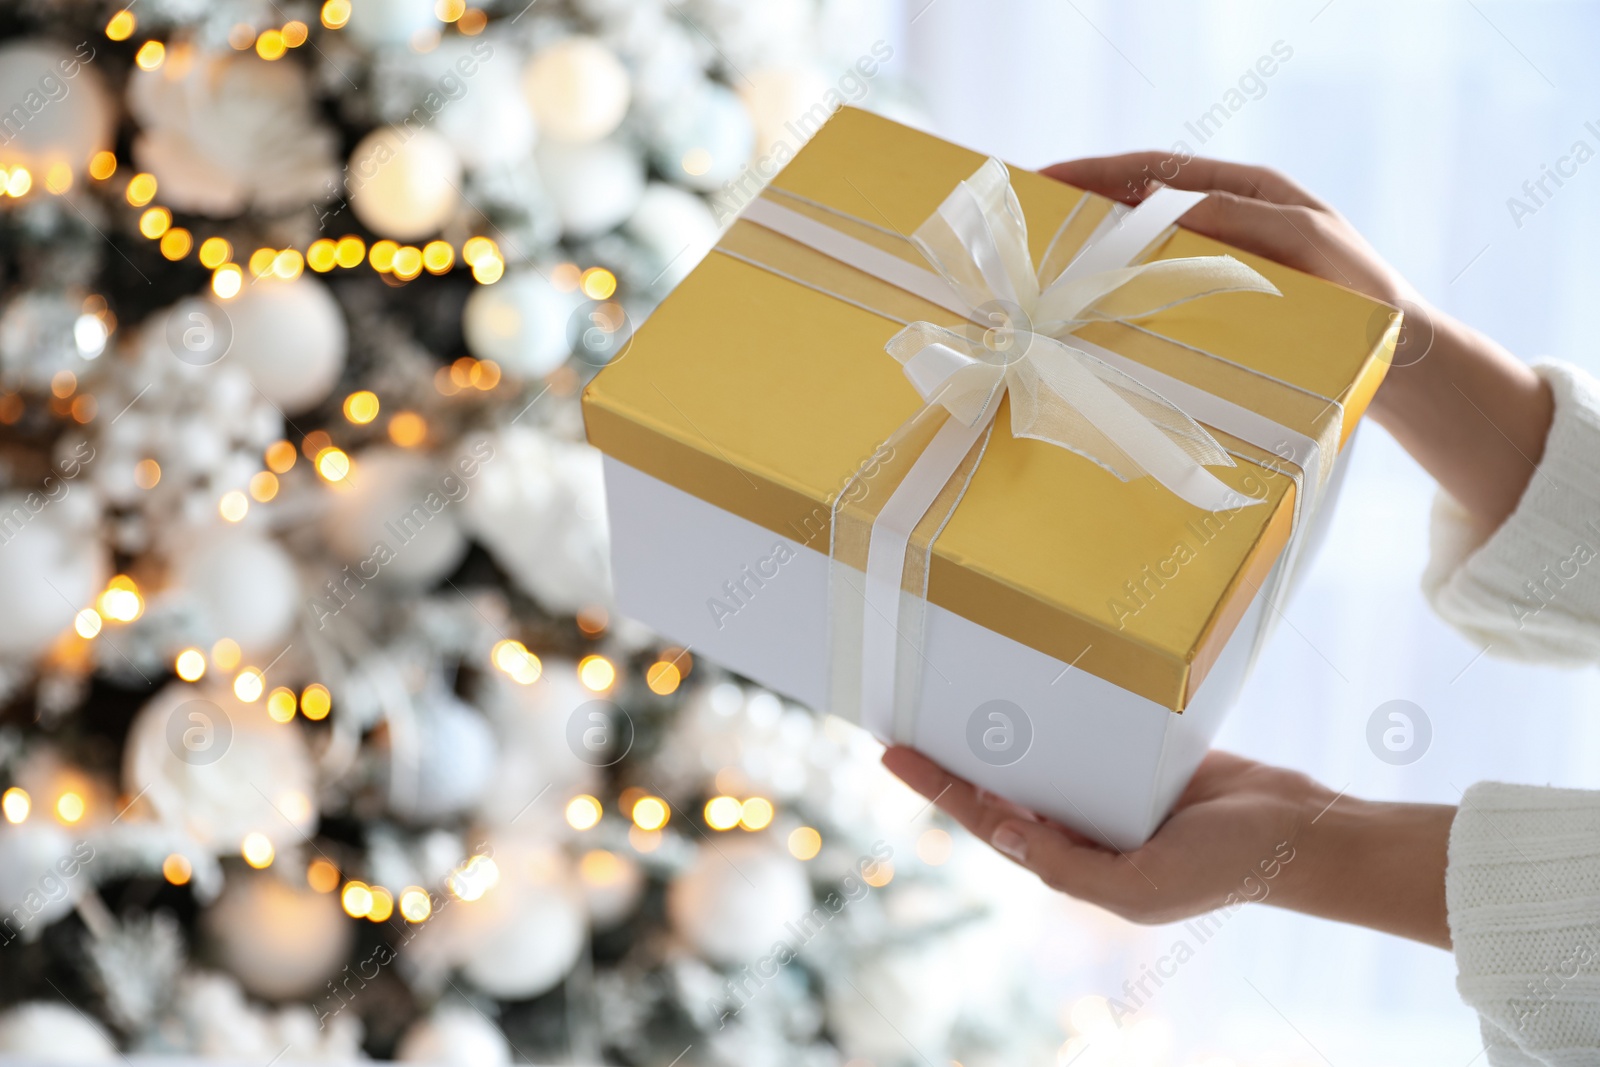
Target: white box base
1102,760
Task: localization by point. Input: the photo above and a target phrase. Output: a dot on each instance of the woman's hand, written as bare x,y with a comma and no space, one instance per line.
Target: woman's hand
1242,831
1471,413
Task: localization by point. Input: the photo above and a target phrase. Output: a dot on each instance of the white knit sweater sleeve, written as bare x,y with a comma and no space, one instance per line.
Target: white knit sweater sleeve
1523,881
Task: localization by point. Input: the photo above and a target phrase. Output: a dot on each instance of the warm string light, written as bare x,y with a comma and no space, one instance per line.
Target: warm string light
596,673
322,876
257,850
724,812
514,659
281,704
177,869
415,904
225,654
473,879
467,373
121,600
248,685
315,702
16,804
361,407
583,812
804,843
70,807
651,813
190,665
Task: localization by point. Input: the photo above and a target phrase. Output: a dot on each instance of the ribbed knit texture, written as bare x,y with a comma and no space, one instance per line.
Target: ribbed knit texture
1523,881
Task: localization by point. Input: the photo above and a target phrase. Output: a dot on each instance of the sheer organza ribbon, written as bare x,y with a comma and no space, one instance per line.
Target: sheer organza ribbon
1017,339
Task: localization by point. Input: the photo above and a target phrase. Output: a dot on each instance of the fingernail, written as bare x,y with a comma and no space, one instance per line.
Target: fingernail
1009,839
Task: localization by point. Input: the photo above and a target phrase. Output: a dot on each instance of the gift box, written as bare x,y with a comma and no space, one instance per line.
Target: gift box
850,459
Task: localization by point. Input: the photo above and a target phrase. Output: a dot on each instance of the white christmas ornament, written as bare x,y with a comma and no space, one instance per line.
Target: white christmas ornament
229,132
521,323
220,767
441,758
594,187
539,509
209,1017
490,121
533,754
788,104
454,1037
281,941
676,227
517,939
50,569
47,1032
391,23
578,90
244,586
40,877
58,111
290,337
733,901
398,521
706,140
404,183
914,1000
612,885
534,945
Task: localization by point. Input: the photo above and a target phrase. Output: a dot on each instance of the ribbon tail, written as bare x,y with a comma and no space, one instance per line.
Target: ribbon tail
1066,397
882,537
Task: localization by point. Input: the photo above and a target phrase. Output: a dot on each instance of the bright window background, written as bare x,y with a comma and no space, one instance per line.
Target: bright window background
1418,121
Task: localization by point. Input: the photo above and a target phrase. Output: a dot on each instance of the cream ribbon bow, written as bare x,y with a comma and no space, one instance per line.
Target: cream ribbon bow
1016,341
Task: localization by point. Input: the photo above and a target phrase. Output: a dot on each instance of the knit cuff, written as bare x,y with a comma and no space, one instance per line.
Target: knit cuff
1531,588
1523,891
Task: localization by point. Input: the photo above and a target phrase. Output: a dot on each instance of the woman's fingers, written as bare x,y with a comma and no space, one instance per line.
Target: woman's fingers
1128,178
1063,859
1285,234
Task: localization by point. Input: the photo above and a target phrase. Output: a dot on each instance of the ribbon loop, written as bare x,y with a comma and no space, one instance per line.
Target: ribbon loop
977,241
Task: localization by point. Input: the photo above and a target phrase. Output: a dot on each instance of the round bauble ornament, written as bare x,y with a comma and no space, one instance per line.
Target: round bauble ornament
58,112
534,752
454,1037
914,999
490,122
40,877
612,884
225,133
281,940
244,586
594,187
397,521
521,323
667,68
578,90
788,103
47,1032
404,183
441,756
539,509
676,227
220,768
49,570
516,932
538,933
290,337
392,23
706,140
732,902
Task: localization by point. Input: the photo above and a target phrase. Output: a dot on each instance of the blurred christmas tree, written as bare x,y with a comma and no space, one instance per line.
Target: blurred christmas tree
318,737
